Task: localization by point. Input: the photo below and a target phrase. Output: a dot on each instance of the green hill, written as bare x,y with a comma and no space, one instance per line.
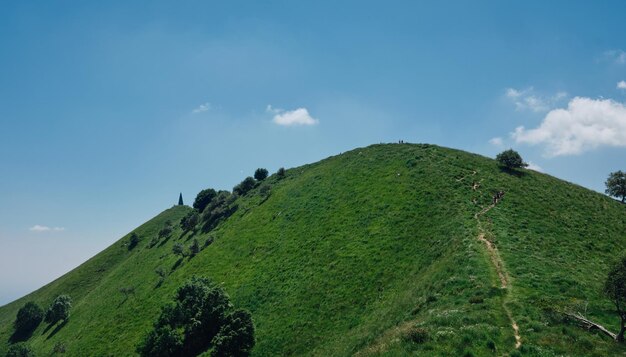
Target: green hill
362,252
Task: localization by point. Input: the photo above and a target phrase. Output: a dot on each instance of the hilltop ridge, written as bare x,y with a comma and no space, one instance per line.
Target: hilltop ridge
392,249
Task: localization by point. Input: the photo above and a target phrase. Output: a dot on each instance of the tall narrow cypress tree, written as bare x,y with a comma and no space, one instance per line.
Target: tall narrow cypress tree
180,199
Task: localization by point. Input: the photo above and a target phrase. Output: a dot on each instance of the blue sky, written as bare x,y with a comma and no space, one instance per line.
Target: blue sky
108,109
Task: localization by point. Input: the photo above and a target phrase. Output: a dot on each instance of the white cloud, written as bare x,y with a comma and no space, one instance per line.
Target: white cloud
40,228
584,125
621,85
528,99
533,166
616,56
299,116
202,108
496,142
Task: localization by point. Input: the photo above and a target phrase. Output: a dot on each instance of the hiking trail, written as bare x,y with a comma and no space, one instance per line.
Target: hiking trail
496,261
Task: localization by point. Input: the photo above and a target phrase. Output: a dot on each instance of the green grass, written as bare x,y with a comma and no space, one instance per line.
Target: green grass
347,255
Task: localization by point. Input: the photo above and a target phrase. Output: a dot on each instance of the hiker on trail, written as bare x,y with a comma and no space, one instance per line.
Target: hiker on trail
498,196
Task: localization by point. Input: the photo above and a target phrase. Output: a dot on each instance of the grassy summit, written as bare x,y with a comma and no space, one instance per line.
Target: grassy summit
385,250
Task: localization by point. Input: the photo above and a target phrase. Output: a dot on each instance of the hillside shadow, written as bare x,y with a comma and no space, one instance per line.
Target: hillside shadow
177,264
161,243
512,172
122,302
20,336
56,329
158,284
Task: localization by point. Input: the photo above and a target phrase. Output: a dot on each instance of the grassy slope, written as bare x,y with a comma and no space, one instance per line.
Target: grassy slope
348,253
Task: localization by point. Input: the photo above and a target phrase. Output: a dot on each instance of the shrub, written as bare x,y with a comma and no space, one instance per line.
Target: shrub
220,208
245,186
415,335
59,309
166,230
189,222
161,272
280,173
260,174
203,198
127,291
194,247
510,159
476,300
59,347
615,290
178,249
28,318
208,241
265,190
133,241
20,350
236,336
187,327
163,341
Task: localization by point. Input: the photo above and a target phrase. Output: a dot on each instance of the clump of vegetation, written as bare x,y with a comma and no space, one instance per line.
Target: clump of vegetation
615,289
133,241
265,191
616,185
280,173
28,318
236,336
167,230
200,318
194,248
162,273
208,241
415,335
220,208
245,186
127,291
190,221
203,198
260,174
20,349
59,347
59,310
510,159
178,249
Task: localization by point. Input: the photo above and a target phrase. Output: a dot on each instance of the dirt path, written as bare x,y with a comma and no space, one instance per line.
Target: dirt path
498,265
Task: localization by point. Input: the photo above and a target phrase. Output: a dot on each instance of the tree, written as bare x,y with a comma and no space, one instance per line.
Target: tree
203,198
246,185
28,318
280,173
615,289
20,350
59,309
133,241
180,199
260,174
510,159
236,336
616,185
